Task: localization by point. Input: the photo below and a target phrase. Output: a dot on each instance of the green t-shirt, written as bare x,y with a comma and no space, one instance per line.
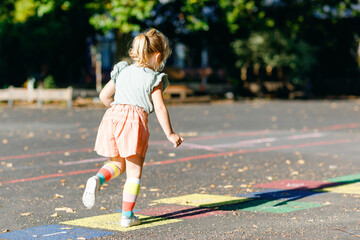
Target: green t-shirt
134,85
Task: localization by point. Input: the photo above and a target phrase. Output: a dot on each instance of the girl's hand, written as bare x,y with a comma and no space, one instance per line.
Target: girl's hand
175,139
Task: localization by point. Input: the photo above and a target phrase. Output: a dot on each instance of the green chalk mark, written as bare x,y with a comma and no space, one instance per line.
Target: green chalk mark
264,205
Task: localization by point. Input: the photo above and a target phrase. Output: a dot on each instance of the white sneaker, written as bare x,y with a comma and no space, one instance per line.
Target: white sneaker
91,191
129,221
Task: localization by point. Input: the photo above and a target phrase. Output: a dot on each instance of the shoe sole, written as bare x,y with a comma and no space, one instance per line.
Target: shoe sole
90,193
129,224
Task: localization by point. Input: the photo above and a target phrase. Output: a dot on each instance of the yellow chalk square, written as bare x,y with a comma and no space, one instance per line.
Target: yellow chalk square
202,200
112,222
353,188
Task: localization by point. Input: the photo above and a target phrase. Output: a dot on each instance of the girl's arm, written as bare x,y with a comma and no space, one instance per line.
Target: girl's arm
106,94
163,116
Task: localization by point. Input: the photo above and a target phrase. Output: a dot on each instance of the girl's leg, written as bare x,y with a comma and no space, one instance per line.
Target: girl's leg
134,165
109,171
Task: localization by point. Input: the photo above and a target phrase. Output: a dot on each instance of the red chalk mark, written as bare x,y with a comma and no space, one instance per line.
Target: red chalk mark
341,126
50,176
225,135
324,143
214,155
45,154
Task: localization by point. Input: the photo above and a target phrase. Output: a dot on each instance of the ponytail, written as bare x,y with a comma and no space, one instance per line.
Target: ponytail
139,50
147,43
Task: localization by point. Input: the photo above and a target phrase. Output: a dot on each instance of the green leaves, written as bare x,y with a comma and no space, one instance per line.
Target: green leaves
273,48
123,15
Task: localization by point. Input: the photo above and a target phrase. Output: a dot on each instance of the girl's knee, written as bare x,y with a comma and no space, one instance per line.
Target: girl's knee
134,165
120,163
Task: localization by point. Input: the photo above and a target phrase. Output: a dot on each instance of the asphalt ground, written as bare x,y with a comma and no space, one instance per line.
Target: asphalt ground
247,170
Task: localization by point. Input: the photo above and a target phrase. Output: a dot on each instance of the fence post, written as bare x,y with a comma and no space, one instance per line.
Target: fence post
39,101
70,95
10,100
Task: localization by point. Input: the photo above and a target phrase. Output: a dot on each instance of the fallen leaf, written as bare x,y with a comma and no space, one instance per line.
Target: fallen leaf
26,214
66,228
102,208
171,154
67,136
55,215
58,196
212,185
243,169
82,186
81,238
67,154
61,162
5,141
228,186
288,162
9,165
65,209
153,204
154,189
270,178
63,180
31,135
188,134
301,161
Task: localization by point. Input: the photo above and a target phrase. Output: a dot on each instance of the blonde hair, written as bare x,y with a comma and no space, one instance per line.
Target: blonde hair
147,43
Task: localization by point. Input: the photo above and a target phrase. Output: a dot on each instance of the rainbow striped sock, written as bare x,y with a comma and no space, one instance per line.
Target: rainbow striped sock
131,191
107,172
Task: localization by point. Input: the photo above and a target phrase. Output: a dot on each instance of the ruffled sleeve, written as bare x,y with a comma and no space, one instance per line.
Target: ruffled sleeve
159,77
117,69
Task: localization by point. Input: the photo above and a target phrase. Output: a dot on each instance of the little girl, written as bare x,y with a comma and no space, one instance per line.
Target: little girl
123,132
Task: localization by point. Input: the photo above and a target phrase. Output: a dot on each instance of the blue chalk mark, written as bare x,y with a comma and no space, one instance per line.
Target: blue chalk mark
54,232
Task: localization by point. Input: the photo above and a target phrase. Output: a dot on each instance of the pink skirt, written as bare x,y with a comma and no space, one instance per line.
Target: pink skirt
123,132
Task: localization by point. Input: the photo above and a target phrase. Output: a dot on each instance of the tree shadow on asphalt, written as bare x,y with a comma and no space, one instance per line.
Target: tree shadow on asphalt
253,200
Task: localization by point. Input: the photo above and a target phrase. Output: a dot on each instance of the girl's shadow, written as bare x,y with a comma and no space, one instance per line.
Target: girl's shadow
254,200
